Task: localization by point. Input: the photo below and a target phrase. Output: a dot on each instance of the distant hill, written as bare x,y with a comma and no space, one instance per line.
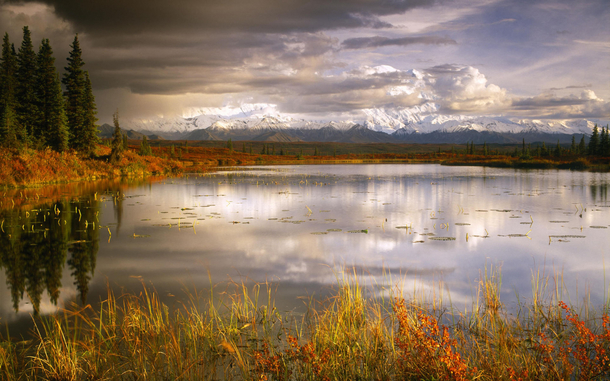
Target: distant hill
420,124
106,131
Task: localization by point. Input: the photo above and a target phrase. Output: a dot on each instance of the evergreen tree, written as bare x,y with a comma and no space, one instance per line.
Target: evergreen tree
557,151
90,130
315,152
51,128
25,91
594,142
125,142
243,147
604,142
8,126
9,129
172,151
582,146
543,150
523,147
573,146
230,145
75,82
263,151
250,149
485,150
145,149
57,135
117,140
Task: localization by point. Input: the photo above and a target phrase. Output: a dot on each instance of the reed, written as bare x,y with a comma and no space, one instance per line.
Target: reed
361,332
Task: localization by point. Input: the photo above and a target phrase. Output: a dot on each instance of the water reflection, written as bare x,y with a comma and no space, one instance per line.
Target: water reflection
296,226
40,241
34,245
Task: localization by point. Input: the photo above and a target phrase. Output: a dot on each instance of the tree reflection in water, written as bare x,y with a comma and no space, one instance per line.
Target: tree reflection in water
37,241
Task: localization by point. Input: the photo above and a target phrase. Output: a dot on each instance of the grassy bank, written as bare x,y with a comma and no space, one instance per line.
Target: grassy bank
22,168
349,336
34,168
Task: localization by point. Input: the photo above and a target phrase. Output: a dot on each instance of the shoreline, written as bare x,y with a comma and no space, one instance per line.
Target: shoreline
35,169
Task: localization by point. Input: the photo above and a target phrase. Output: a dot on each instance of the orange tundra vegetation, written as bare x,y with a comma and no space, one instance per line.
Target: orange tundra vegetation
237,333
28,167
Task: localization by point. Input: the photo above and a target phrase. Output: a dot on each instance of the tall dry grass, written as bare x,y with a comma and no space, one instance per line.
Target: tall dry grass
358,333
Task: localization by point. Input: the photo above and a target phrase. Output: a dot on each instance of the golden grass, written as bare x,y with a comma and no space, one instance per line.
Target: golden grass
239,334
29,167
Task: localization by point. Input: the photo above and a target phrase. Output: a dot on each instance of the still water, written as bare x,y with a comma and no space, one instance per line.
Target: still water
433,228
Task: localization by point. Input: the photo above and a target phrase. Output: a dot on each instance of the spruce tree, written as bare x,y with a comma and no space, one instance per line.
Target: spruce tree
557,151
117,140
90,130
230,145
25,92
594,142
582,146
604,143
8,126
573,146
125,142
74,81
51,127
145,149
543,150
9,131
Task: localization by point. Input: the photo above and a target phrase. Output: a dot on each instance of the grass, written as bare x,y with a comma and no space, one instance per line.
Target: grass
27,167
238,334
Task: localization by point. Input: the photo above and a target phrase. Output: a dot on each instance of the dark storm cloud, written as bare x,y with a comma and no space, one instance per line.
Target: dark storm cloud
119,17
378,41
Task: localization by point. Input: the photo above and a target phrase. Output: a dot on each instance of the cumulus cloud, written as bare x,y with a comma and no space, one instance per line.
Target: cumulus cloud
304,56
464,89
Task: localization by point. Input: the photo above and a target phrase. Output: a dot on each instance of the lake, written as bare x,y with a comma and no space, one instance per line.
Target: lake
427,229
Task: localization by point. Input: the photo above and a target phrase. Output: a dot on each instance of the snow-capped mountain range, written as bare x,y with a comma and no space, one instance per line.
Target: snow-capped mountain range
247,121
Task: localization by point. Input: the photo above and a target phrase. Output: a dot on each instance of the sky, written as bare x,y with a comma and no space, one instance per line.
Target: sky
321,59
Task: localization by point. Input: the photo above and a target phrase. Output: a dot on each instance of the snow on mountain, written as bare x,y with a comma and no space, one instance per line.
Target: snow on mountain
424,118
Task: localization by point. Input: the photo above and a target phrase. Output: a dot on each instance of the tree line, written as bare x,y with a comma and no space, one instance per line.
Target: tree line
599,145
34,110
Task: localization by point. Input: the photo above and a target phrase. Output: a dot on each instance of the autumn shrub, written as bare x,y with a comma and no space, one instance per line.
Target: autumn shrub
348,335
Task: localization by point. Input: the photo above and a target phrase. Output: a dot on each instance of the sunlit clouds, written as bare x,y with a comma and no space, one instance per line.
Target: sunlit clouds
320,60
